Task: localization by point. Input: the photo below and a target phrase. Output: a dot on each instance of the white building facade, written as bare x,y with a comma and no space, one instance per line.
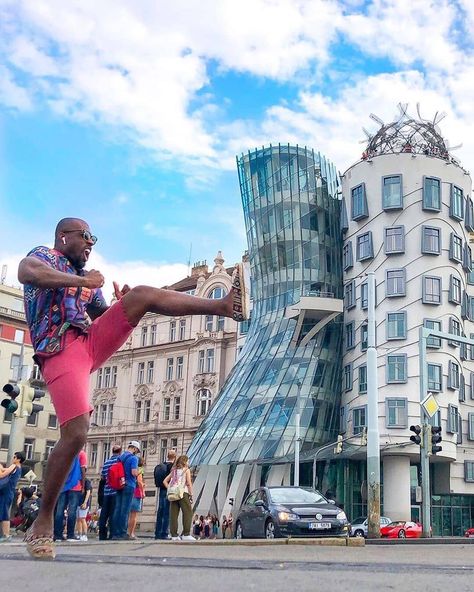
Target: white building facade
409,220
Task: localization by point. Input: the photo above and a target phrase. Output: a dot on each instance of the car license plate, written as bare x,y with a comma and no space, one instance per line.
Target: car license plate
319,525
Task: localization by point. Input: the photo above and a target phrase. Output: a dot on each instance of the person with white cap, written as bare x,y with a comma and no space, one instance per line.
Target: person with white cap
124,499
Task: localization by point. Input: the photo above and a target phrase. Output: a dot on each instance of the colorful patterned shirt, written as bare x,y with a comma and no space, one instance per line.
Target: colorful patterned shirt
51,311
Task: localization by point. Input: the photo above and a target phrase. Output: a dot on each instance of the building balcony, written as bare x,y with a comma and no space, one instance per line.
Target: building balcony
316,307
15,314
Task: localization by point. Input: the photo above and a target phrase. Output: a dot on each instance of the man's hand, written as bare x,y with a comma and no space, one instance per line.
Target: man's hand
119,293
93,279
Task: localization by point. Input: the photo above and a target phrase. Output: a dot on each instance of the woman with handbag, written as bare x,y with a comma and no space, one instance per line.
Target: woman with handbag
9,479
137,502
180,495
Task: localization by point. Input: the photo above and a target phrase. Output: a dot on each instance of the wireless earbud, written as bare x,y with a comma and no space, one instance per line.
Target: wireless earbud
64,240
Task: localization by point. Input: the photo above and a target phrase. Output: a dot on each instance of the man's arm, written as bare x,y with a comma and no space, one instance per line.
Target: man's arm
33,271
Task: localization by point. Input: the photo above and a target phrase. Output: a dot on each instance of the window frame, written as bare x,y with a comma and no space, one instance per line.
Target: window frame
436,341
362,369
360,426
347,256
403,357
425,239
456,203
455,289
432,208
350,295
434,388
388,337
394,251
362,211
370,246
399,205
402,278
439,280
452,424
404,413
347,380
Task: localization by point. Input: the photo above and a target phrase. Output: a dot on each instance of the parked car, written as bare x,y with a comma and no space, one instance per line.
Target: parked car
271,512
360,526
469,533
402,530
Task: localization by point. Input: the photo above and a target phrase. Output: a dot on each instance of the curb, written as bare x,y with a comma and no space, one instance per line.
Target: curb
431,541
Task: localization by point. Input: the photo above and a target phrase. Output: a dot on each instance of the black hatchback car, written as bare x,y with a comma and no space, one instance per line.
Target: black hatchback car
271,512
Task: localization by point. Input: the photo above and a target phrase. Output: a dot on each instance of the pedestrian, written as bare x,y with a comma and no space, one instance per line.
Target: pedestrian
207,526
9,478
224,525
160,473
124,499
107,526
70,499
230,526
215,526
83,511
74,332
137,502
179,480
197,526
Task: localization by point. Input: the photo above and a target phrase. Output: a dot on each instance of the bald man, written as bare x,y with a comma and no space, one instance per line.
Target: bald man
74,332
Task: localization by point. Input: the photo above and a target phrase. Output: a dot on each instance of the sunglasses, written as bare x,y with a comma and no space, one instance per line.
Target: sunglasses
86,235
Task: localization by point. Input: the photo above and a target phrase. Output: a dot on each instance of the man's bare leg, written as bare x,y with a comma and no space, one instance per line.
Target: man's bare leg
73,438
143,299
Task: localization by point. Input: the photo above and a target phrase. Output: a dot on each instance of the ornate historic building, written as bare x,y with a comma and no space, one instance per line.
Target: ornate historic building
160,385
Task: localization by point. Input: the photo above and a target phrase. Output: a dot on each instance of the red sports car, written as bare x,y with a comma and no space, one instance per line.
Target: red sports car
401,530
469,533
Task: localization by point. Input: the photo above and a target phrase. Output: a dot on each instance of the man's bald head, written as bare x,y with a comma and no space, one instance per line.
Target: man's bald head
68,224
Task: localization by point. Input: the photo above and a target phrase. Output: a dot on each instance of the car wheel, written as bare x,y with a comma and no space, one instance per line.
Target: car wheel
239,533
359,533
402,534
269,529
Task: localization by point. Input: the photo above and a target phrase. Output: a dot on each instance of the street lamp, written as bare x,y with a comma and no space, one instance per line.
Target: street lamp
296,479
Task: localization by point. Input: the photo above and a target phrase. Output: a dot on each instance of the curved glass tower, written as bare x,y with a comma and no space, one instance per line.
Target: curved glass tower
292,217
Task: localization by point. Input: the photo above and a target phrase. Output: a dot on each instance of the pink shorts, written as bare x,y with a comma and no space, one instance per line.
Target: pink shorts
67,373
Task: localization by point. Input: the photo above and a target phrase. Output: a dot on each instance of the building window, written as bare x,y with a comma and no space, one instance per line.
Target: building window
105,451
359,209
365,248
51,443
150,371
364,296
172,335
144,450
4,441
218,292
107,374
210,360
364,336
92,454
396,413
430,240
469,217
32,419
209,323
7,416
153,335
182,329
220,323
203,402
435,378
456,204
174,443
52,421
201,360
179,367
469,471
169,368
454,329
350,335
144,335
342,420
350,295
462,389
319,374
453,375
29,448
359,419
138,411
436,325
164,450
99,378
113,382
362,379
470,426
431,290
396,325
432,194
166,408
394,240
454,289
455,248
347,377
245,326
392,195
396,368
141,373
347,256
467,258
176,407
453,419
395,282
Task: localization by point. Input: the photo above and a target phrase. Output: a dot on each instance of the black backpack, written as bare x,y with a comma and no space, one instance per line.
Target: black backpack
160,473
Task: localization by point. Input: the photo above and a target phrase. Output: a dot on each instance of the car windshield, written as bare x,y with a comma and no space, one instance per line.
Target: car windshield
293,495
396,524
359,520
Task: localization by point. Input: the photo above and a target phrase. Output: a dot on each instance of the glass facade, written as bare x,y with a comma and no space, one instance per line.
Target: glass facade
292,217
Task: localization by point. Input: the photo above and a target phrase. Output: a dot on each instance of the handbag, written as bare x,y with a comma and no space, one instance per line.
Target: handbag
175,488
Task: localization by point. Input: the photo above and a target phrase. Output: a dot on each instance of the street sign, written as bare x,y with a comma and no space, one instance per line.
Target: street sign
31,476
430,405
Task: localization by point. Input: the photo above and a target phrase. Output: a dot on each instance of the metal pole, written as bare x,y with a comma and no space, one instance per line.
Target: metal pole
424,448
373,437
14,421
296,480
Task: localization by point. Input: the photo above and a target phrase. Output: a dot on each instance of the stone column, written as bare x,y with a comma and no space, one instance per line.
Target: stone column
396,487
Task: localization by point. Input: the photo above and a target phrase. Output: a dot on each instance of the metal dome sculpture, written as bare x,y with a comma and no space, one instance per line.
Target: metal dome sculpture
407,134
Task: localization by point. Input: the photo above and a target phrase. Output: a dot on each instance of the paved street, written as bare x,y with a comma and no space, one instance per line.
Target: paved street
202,567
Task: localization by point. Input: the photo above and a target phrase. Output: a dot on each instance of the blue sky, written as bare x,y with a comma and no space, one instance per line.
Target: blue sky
130,114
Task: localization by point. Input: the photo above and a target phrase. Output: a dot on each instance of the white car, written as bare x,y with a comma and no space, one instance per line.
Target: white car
360,526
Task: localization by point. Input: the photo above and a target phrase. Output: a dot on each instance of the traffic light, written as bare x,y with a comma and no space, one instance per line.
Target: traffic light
417,438
338,447
29,395
436,439
13,403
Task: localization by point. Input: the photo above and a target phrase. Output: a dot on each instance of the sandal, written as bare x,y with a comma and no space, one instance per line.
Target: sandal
241,300
40,546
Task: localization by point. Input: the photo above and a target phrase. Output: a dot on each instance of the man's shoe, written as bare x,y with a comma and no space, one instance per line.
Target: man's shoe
84,538
189,538
175,538
74,540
